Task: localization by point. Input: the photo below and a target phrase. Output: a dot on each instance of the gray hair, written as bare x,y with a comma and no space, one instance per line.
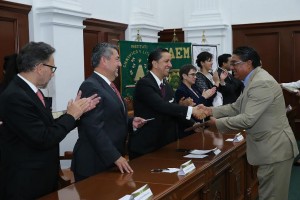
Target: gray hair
32,54
102,50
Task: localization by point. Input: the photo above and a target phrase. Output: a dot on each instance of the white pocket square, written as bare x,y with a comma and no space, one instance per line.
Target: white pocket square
171,101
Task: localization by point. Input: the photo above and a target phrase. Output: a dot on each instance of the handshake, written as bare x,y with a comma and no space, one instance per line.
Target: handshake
201,112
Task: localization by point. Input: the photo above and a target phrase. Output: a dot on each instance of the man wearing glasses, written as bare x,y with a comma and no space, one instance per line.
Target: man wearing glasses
260,110
29,136
229,87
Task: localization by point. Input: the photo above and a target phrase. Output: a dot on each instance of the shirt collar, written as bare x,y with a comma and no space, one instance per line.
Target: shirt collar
31,85
104,78
246,80
156,79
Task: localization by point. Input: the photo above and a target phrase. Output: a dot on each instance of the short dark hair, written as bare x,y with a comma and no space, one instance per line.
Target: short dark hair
185,69
248,53
202,57
102,50
32,54
223,59
155,55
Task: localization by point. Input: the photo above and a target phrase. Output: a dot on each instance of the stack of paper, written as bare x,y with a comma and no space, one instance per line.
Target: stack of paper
199,153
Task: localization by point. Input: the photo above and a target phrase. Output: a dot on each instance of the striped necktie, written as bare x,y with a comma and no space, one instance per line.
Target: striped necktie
113,86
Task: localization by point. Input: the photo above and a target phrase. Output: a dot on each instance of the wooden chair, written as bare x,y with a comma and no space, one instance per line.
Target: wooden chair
66,176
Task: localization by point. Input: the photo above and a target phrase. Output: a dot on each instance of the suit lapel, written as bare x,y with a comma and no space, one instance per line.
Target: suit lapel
256,70
111,92
191,93
154,83
30,93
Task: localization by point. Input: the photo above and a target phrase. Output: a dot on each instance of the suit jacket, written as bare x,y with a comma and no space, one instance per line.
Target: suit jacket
231,90
261,111
148,102
29,142
184,91
102,131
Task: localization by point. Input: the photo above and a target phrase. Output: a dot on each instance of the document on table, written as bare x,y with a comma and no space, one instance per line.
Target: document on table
195,156
201,152
167,170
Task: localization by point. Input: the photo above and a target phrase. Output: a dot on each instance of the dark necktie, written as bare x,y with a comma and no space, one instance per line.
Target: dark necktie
112,85
41,97
163,90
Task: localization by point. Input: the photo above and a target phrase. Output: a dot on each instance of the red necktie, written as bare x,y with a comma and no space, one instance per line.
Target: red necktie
41,97
112,85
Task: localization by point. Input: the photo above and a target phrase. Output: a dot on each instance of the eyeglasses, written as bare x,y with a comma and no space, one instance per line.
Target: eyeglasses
236,63
192,74
53,68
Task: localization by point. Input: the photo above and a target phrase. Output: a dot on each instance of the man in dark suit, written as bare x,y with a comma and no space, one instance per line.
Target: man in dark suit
229,87
29,136
154,98
103,131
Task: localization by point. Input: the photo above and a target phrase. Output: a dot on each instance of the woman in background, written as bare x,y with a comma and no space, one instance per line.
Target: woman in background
188,90
204,78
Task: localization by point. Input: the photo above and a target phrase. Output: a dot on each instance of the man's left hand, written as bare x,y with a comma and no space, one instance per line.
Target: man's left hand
138,122
211,122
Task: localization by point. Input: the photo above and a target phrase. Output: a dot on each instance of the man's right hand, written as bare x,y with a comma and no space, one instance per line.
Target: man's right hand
81,105
123,165
94,100
77,108
207,110
198,113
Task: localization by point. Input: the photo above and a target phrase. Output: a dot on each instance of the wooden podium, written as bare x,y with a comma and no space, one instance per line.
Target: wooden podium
223,176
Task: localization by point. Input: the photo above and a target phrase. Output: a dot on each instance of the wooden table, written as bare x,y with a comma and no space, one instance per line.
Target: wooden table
223,176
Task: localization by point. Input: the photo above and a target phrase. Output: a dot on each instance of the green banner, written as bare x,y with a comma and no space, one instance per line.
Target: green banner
134,57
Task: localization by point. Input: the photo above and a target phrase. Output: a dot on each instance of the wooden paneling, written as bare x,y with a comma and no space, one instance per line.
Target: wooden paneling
296,53
14,29
278,44
166,35
263,42
90,39
98,31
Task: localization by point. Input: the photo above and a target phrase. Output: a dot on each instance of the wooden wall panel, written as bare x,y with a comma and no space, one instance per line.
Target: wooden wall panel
166,35
8,38
296,55
276,44
97,31
263,42
90,38
14,29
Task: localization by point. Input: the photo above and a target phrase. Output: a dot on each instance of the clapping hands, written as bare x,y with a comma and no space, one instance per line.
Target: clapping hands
81,105
208,93
186,101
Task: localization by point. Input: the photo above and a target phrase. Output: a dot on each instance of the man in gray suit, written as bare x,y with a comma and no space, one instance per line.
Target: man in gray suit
260,110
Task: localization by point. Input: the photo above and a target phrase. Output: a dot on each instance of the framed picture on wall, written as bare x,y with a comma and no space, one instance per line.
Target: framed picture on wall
198,48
